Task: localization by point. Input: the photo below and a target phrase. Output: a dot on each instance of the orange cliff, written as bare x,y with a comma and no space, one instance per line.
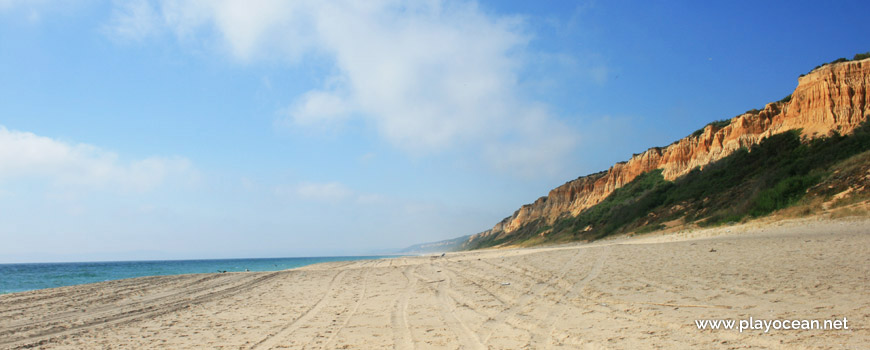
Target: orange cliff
831,98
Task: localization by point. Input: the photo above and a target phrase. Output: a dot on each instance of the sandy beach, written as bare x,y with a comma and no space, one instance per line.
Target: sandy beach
628,293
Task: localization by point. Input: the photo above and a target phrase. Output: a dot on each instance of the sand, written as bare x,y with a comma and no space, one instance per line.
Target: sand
638,293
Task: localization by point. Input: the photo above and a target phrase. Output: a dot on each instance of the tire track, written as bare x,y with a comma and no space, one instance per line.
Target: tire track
549,276
544,337
57,318
147,302
447,306
126,288
269,341
478,285
495,318
536,291
513,326
613,312
128,316
350,315
402,338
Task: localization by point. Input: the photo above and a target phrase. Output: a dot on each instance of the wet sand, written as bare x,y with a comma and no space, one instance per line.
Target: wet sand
638,293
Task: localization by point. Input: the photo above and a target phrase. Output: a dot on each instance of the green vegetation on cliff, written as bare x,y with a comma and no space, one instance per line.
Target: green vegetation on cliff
772,175
857,57
719,124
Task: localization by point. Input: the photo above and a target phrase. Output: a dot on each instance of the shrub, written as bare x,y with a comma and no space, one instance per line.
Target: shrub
651,228
783,194
719,124
772,175
858,56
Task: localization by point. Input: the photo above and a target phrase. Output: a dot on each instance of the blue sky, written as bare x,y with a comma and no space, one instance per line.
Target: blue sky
190,129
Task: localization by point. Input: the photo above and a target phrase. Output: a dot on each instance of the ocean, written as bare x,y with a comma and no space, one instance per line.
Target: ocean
23,277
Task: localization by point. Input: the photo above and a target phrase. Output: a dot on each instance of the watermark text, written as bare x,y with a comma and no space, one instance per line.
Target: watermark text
752,324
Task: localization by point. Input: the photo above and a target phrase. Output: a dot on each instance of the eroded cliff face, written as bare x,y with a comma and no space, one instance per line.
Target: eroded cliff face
831,98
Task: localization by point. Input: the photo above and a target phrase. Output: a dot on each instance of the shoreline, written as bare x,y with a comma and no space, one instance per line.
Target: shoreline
638,292
45,275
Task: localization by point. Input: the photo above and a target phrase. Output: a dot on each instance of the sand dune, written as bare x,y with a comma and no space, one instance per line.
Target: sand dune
622,294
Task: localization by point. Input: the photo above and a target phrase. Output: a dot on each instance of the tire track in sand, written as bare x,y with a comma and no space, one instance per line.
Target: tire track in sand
493,321
544,337
269,341
160,306
446,309
402,338
104,309
359,301
537,290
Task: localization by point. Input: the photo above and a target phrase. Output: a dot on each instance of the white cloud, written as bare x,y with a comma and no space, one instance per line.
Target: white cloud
34,10
26,155
323,191
331,192
135,19
431,76
367,157
539,149
369,199
319,107
6,5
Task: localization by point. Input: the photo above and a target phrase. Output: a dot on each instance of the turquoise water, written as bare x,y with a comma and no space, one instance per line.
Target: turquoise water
24,277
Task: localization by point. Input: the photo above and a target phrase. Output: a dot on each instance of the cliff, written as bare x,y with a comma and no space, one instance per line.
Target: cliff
831,98
448,245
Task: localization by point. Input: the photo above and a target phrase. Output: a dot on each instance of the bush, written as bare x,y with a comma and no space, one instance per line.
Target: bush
719,124
622,207
721,218
858,56
783,194
772,175
651,228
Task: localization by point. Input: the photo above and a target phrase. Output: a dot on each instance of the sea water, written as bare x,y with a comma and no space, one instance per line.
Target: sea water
23,277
